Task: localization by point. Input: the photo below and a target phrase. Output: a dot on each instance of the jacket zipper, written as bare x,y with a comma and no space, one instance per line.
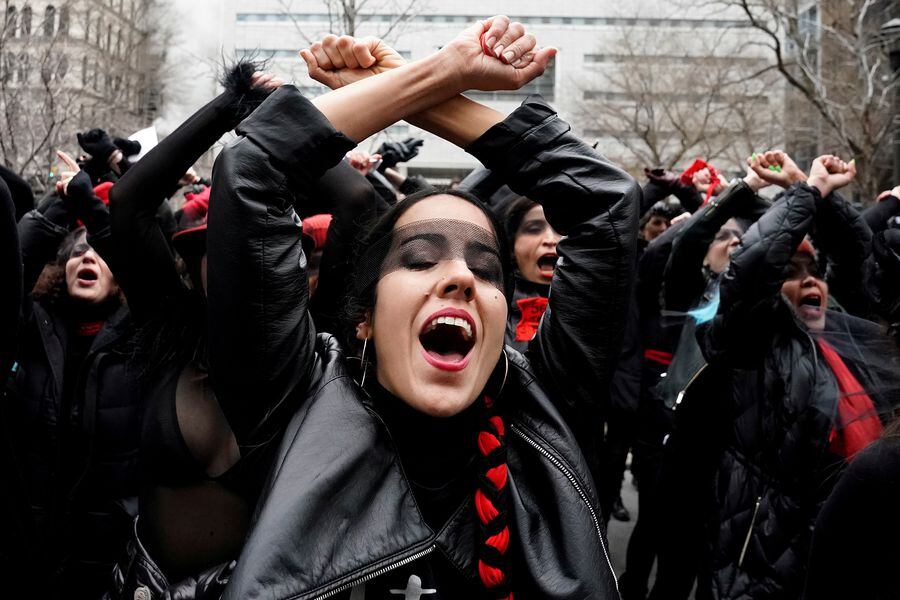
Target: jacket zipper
565,471
749,532
681,394
377,573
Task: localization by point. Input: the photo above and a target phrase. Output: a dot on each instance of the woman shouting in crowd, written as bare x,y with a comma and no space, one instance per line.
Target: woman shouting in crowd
806,386
437,462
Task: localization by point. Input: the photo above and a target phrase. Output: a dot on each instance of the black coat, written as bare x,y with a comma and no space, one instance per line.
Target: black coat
78,460
338,507
780,400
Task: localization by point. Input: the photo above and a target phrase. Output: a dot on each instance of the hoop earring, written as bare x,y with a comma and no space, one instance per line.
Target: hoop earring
505,370
364,362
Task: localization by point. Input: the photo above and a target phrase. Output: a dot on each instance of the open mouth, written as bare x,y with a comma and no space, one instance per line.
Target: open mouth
811,305
447,338
546,264
87,275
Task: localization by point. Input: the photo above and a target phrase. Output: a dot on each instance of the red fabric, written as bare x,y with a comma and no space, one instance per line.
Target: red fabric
102,191
487,443
698,165
196,205
497,475
490,576
88,329
486,510
659,356
500,541
316,227
857,423
532,310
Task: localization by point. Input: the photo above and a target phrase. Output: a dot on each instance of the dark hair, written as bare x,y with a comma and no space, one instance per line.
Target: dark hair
515,211
51,288
360,302
491,492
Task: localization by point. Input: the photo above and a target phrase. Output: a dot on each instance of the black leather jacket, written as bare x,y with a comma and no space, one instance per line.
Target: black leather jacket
338,509
780,399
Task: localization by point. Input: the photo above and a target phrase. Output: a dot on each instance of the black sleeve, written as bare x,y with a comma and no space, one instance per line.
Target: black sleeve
594,205
413,184
856,531
144,263
877,215
661,184
844,237
751,288
383,187
40,233
11,269
353,204
683,281
19,190
261,336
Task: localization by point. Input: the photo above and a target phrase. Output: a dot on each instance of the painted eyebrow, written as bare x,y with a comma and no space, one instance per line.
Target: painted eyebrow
429,237
483,248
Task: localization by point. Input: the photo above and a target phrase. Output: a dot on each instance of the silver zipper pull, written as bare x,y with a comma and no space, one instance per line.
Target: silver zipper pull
749,532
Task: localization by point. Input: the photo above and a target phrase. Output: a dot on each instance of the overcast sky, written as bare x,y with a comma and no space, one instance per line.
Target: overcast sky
194,60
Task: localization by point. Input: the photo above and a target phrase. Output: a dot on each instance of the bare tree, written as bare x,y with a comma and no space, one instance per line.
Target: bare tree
73,65
669,100
385,19
831,55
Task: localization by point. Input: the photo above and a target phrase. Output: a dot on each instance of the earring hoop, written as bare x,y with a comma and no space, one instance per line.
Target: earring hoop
365,363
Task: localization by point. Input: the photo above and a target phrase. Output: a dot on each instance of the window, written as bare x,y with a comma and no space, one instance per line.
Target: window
87,26
23,68
62,68
119,43
84,68
11,21
64,20
25,21
49,20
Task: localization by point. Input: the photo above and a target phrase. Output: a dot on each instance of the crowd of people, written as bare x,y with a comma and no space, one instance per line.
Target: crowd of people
311,376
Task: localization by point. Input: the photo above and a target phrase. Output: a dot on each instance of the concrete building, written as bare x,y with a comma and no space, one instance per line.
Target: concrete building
70,65
588,34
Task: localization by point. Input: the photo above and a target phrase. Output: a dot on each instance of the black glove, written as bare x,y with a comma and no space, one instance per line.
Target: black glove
661,176
85,203
58,208
97,143
128,147
393,153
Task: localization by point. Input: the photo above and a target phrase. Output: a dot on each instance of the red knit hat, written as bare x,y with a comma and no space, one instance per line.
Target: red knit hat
102,191
315,228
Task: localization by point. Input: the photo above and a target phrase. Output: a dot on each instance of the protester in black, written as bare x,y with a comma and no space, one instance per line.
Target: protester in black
854,551
74,412
352,509
198,485
803,394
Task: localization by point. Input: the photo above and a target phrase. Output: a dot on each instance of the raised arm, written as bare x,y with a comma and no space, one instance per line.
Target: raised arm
751,288
261,337
843,235
145,265
683,280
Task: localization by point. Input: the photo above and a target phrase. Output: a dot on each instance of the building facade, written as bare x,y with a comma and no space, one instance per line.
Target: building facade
602,45
72,65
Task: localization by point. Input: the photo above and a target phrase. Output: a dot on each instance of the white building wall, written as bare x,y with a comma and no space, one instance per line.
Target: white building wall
586,34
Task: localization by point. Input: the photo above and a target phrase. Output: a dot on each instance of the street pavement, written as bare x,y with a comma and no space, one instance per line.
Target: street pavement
618,532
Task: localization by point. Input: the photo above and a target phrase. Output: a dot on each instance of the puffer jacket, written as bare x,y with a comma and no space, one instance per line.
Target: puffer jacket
775,470
338,509
78,462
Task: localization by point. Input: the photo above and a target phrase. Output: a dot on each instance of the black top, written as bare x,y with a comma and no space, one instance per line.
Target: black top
856,542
